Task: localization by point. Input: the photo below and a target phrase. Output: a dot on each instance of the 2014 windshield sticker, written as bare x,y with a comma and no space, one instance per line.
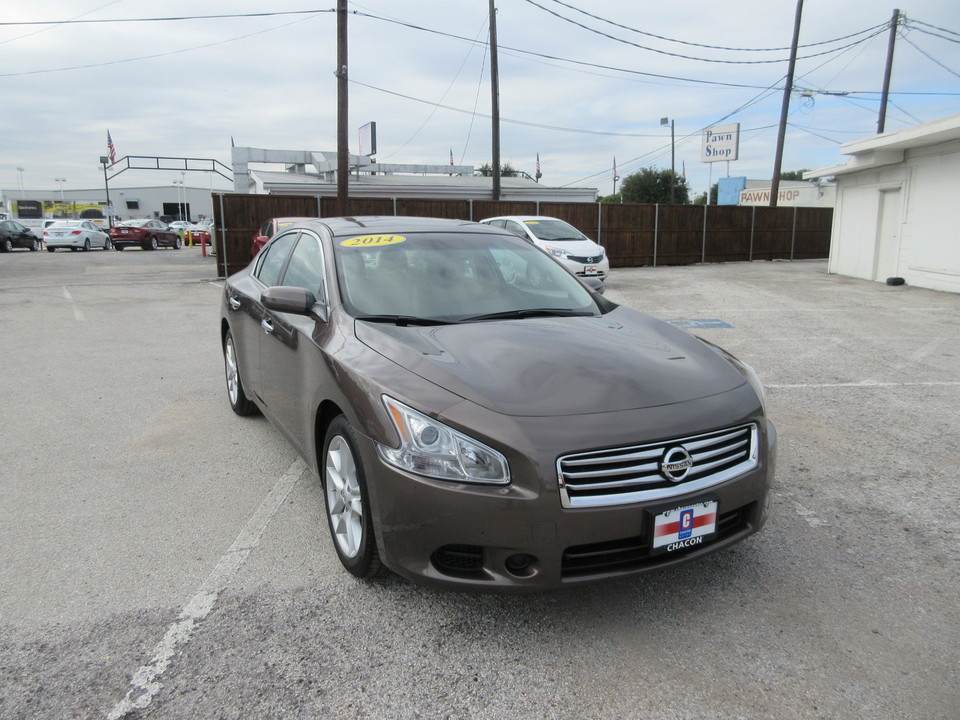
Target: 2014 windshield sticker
373,240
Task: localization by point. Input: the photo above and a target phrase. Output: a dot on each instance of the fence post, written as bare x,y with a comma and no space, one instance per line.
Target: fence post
319,206
703,252
394,207
753,226
599,223
793,236
470,201
656,231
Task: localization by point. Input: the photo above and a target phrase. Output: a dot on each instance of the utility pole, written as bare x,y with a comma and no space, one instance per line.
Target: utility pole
343,149
881,121
495,100
785,107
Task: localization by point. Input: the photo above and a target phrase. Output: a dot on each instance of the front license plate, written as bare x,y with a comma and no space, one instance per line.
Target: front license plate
589,271
684,527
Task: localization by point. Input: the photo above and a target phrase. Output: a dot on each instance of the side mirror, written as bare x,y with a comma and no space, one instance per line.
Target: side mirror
294,300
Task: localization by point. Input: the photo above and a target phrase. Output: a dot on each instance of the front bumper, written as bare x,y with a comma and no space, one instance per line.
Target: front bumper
521,539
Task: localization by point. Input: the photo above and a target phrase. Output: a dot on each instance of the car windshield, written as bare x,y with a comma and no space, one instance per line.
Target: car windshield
554,230
462,277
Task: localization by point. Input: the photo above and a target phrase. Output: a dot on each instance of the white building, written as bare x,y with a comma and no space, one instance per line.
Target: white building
897,213
314,173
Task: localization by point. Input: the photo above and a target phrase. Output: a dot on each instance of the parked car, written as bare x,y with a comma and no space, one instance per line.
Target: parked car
270,228
181,226
76,235
474,430
561,239
14,234
148,234
198,233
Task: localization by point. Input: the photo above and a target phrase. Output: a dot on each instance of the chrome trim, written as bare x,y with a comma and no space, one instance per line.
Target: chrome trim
703,449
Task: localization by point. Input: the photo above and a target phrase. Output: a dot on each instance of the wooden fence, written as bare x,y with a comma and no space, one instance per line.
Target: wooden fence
633,235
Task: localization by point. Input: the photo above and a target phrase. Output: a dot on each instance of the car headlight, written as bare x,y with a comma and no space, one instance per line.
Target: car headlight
558,252
755,383
430,448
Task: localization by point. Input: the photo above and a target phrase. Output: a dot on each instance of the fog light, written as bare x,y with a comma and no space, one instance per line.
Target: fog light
517,564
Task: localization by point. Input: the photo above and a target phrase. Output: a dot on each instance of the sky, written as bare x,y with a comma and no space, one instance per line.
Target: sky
583,83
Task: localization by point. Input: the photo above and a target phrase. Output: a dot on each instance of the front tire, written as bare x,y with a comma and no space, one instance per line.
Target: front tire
177,244
239,402
348,502
34,246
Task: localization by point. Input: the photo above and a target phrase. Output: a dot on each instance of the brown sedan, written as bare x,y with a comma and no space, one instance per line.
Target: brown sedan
474,431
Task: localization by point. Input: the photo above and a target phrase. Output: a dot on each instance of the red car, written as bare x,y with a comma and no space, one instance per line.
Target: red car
148,234
270,228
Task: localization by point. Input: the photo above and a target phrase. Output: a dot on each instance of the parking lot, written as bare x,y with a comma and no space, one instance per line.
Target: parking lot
161,557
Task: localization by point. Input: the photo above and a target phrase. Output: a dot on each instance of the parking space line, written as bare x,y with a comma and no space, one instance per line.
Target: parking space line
77,312
146,680
866,384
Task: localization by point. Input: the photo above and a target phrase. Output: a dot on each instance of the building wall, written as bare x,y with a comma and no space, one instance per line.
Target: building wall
901,220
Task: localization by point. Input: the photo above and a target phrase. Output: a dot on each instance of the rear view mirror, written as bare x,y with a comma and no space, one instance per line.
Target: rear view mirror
295,300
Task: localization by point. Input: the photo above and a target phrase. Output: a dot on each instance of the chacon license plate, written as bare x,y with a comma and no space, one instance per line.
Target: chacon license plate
686,526
589,270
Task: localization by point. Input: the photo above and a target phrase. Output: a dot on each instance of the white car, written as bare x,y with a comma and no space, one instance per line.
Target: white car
76,235
562,240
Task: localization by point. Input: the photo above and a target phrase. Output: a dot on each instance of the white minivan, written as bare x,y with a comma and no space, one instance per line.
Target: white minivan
561,239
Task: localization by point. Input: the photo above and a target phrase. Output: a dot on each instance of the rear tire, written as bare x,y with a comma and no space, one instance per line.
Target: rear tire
7,246
50,249
348,502
239,402
86,245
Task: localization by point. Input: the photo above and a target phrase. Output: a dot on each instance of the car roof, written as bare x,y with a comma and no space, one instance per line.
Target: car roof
380,224
522,218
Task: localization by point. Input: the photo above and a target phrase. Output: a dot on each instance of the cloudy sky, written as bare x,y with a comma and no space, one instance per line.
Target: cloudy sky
581,82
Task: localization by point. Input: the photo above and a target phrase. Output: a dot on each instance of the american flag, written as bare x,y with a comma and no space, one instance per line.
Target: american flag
111,150
451,157
538,164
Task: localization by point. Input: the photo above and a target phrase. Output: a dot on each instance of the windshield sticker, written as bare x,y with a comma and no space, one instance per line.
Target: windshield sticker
373,240
531,222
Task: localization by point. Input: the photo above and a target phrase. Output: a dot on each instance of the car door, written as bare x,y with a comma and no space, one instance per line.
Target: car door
288,353
246,310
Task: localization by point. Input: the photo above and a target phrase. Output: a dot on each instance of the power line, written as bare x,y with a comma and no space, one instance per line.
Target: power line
690,57
711,47
77,21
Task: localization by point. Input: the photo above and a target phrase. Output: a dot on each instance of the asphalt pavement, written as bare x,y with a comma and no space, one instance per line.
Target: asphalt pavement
161,557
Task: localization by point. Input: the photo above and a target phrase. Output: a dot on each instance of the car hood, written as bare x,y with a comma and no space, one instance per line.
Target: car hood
559,366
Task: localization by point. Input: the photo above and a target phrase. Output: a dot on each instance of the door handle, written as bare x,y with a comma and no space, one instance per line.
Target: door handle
267,324
234,302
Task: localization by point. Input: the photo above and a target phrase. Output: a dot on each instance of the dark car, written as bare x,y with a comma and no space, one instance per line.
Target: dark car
148,234
13,234
474,430
270,228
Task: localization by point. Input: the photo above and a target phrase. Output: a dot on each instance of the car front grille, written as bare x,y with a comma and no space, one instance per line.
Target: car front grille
637,473
586,260
635,553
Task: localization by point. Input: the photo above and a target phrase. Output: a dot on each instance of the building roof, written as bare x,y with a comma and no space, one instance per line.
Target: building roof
889,148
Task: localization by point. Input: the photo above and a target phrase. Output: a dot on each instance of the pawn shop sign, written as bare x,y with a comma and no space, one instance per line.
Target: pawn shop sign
720,142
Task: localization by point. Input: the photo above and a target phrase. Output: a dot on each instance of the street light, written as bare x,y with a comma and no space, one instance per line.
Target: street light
673,170
61,181
179,184
20,170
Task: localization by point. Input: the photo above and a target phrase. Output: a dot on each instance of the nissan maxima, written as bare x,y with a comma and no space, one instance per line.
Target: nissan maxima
474,430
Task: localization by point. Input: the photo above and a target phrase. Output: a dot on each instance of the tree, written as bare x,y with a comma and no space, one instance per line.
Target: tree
652,185
506,170
611,198
701,199
793,174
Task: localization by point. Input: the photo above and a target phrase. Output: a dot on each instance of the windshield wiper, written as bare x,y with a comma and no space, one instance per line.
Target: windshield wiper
404,320
529,313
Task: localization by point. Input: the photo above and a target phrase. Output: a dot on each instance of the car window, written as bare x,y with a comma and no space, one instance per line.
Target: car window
274,256
516,229
305,268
